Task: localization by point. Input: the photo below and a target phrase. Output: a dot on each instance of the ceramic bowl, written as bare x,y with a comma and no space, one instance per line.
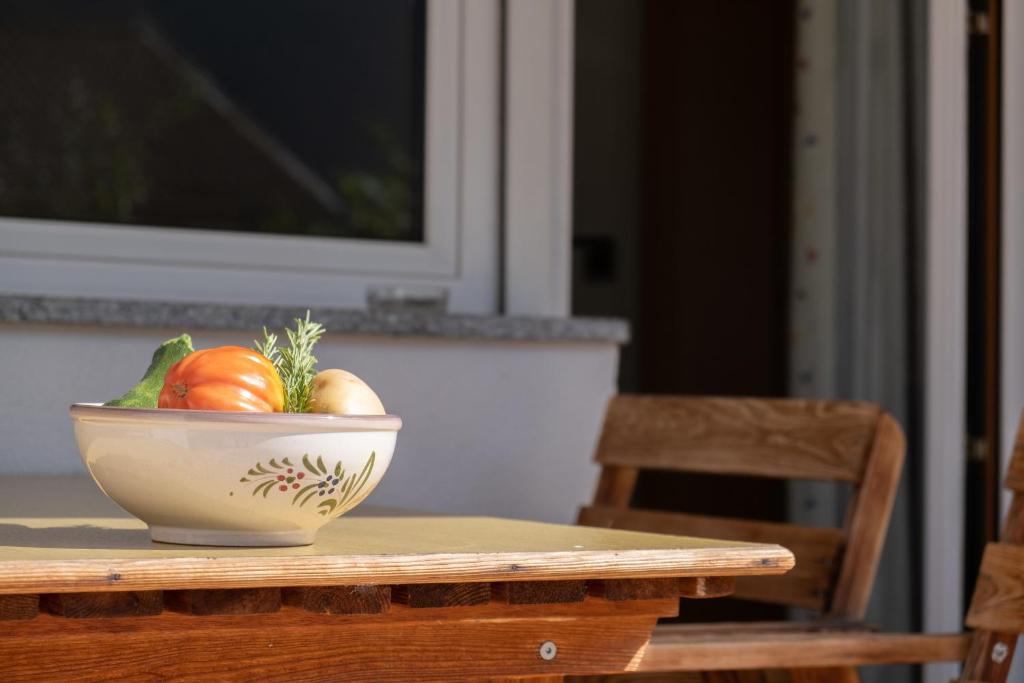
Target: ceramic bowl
233,478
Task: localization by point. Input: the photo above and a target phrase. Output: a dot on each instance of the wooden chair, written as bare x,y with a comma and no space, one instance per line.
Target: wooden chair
841,441
996,613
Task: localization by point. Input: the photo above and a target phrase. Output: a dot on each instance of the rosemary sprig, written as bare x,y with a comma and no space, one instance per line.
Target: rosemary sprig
268,347
295,363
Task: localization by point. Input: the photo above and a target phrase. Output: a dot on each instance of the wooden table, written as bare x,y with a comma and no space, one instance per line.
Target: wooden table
384,595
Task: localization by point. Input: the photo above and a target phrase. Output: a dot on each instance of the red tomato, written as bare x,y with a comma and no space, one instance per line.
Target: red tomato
224,378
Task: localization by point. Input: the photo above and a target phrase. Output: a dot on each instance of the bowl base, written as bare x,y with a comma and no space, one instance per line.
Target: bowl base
170,534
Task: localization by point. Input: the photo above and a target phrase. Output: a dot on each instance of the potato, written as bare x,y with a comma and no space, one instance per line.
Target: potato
341,393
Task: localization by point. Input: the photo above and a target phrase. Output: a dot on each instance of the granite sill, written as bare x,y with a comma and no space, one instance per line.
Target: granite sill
15,309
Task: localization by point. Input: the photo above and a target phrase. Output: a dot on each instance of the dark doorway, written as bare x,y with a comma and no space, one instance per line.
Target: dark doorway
682,189
981,522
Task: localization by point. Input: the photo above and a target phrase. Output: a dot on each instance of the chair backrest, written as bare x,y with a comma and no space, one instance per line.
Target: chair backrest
843,441
997,608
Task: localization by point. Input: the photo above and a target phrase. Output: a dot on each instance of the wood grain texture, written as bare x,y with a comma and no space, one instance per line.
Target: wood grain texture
829,440
785,438
615,486
990,656
734,677
442,594
76,554
405,644
110,604
998,602
636,589
339,599
746,676
1013,524
991,653
1015,470
673,652
18,606
817,551
868,515
224,601
700,588
540,592
835,675
724,628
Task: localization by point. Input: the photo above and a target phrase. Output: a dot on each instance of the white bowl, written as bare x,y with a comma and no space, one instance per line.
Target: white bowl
233,478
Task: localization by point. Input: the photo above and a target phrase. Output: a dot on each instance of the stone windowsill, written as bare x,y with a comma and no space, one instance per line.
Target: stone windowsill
191,316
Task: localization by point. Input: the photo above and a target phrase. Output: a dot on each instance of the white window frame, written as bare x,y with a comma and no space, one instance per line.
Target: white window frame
461,214
539,42
945,329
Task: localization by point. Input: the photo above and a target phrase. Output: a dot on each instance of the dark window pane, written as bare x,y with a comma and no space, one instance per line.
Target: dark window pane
278,116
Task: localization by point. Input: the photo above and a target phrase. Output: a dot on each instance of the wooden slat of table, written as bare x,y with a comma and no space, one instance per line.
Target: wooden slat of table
339,599
816,550
18,607
111,604
82,554
442,644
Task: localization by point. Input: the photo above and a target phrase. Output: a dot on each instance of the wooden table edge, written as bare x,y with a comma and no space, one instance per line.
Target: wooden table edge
122,574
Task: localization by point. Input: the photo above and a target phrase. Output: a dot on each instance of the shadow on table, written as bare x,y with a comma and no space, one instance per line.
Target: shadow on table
73,536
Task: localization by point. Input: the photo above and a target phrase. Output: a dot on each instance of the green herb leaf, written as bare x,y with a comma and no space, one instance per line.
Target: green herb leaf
268,347
295,363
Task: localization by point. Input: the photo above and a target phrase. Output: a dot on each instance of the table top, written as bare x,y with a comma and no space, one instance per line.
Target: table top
60,534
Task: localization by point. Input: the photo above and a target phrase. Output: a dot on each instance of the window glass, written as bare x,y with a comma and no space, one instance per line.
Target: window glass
271,116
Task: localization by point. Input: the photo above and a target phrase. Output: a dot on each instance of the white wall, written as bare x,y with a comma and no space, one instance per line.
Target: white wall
494,428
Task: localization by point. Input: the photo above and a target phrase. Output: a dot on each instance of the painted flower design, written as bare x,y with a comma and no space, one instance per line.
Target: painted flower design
330,487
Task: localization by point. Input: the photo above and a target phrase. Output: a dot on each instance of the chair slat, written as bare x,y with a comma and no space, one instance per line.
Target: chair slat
817,550
868,518
998,602
823,440
683,652
615,486
1015,472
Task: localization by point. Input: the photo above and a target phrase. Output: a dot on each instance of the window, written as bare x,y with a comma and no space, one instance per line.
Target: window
289,152
300,118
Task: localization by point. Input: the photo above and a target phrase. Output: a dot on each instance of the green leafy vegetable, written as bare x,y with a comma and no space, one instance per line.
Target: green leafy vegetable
146,393
295,363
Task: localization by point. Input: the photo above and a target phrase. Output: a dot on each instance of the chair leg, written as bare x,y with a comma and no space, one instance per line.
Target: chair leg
847,674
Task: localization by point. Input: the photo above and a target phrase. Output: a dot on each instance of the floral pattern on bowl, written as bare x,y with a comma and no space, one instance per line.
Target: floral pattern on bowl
324,482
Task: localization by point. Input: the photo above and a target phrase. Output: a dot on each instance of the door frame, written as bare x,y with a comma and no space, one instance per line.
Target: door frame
945,320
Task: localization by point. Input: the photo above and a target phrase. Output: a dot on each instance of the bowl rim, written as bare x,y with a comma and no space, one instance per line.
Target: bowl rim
326,422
